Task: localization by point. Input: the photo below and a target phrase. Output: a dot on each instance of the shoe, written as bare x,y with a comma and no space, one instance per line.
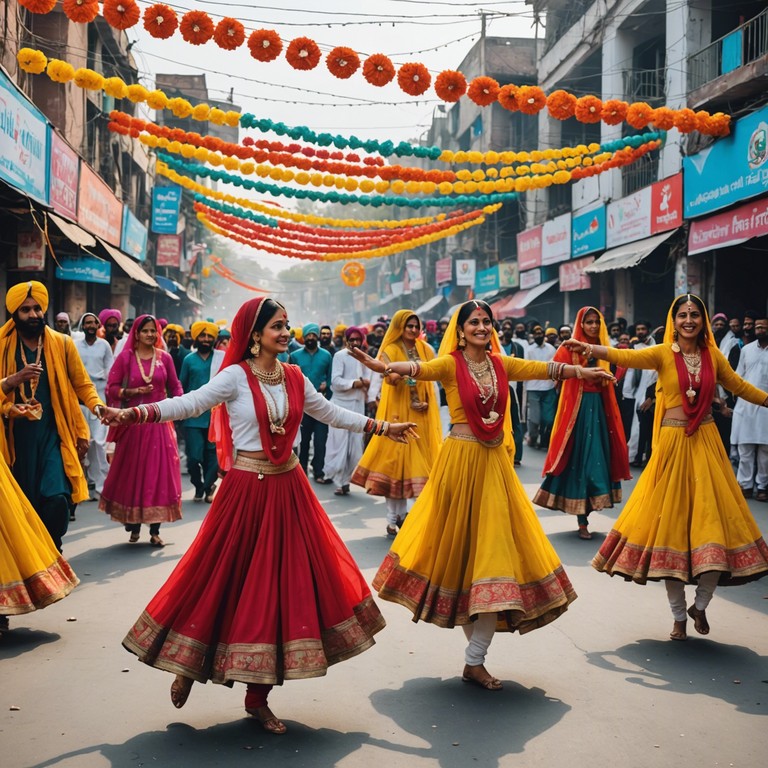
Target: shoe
700,623
518,463
4,626
267,719
156,541
391,530
72,517
637,464
134,537
199,496
584,532
323,480
209,494
180,688
761,496
345,488
339,492
678,631
746,493
483,678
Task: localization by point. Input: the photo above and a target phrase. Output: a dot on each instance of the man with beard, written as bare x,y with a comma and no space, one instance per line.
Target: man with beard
541,395
564,333
44,381
645,381
326,339
513,348
198,368
750,422
97,360
375,337
172,336
315,364
110,320
746,335
521,333
61,323
614,331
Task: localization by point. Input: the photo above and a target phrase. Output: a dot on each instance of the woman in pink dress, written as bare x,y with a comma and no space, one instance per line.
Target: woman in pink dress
144,480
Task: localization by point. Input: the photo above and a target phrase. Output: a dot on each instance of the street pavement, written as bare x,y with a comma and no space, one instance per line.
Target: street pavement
602,684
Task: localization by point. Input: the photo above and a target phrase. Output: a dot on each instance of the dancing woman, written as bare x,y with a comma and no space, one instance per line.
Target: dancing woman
472,552
686,522
267,592
400,471
587,457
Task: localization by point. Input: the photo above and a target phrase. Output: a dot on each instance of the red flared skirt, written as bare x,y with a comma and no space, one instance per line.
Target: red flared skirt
267,592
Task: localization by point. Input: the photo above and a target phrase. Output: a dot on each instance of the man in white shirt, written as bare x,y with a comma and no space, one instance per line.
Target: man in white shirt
541,395
750,422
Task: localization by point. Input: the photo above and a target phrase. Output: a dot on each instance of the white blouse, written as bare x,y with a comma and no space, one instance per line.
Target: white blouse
230,386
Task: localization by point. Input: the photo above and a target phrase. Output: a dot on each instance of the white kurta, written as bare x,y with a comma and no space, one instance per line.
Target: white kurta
344,449
750,422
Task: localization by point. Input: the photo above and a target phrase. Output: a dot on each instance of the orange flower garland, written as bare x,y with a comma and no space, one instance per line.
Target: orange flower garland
530,99
378,70
639,114
664,118
413,78
160,21
561,105
229,34
265,45
450,85
81,11
507,97
121,14
38,6
685,120
196,27
303,53
718,124
483,90
589,109
613,112
342,62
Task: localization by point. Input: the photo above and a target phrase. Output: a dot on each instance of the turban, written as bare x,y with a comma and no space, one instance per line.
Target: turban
380,325
431,326
719,316
162,322
203,326
19,293
173,327
310,328
339,329
536,328
109,314
550,332
352,330
62,316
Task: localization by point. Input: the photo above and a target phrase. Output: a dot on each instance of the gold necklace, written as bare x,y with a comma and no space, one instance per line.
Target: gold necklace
275,422
34,382
271,378
146,376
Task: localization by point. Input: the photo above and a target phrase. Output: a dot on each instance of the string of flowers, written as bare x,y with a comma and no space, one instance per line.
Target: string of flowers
217,265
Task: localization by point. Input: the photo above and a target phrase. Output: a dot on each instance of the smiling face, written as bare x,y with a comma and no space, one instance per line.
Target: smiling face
30,318
590,324
412,329
477,329
147,334
689,321
275,335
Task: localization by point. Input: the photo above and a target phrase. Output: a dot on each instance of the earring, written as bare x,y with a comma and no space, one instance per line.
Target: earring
462,341
256,349
675,346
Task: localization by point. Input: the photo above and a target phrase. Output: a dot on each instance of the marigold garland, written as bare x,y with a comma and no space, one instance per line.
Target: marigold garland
530,99
483,90
342,62
685,120
450,85
303,53
160,21
38,6
561,105
121,14
639,114
88,79
196,27
229,34
589,109
413,78
379,70
507,97
265,45
663,118
81,11
32,61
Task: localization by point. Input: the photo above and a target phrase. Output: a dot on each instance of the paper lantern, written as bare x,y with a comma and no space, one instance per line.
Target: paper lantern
353,274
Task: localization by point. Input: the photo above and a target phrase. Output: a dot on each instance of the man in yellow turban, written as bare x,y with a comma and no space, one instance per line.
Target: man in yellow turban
43,381
172,336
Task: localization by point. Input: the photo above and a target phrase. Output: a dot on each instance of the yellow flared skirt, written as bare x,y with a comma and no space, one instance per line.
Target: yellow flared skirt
472,544
32,572
685,517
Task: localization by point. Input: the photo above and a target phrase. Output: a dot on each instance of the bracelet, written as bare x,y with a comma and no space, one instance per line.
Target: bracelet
555,371
579,371
588,349
369,425
388,371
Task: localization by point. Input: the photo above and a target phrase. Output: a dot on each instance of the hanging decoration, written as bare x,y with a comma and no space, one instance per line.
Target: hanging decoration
217,265
121,14
353,274
80,11
160,21
265,45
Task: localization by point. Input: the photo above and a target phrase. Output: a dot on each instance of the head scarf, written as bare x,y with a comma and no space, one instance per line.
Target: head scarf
310,328
132,342
339,330
82,319
560,443
431,326
718,316
62,316
19,293
203,326
107,314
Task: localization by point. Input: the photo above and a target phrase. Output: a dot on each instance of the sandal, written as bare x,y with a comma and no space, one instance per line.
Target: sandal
700,623
156,541
134,537
487,682
678,631
339,492
180,688
267,719
391,530
584,532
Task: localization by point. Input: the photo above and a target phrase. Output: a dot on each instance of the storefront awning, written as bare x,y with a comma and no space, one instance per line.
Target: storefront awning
429,304
73,232
628,255
129,266
515,306
168,286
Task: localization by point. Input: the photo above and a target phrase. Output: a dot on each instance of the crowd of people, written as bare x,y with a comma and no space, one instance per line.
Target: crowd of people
431,416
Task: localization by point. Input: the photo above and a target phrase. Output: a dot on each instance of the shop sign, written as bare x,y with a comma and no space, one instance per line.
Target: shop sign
134,241
465,272
86,269
556,240
509,274
98,210
572,277
588,231
487,280
733,168
64,170
443,271
667,204
413,274
166,203
529,248
530,279
23,143
30,251
629,219
168,251
731,228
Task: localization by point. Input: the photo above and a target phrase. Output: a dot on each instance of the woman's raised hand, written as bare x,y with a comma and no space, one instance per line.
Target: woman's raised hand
596,374
401,432
378,366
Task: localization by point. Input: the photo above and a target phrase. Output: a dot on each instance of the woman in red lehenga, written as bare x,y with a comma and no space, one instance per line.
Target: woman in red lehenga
267,592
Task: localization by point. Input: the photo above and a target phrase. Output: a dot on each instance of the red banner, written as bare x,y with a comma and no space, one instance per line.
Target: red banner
529,248
168,251
572,277
731,228
667,204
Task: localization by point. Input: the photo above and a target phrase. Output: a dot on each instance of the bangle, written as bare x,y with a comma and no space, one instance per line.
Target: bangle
588,350
369,425
579,371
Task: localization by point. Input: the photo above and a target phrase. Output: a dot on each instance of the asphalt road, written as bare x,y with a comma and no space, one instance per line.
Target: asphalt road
602,685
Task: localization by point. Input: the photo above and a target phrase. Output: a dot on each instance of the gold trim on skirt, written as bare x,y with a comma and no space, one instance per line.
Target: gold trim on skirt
263,466
708,419
497,441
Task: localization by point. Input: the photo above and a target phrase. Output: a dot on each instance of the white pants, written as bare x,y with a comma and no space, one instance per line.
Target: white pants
479,634
704,591
751,457
396,508
95,460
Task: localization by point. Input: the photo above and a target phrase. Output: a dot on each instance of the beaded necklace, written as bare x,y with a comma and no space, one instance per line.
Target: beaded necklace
479,371
147,376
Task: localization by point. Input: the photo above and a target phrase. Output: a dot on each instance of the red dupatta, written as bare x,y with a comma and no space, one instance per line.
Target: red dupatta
560,442
705,389
474,408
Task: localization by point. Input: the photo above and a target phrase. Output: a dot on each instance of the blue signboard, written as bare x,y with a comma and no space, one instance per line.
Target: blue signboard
24,143
732,169
134,239
588,232
165,209
86,269
487,280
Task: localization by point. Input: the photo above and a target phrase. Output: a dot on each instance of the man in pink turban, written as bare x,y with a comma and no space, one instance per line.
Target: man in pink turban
110,320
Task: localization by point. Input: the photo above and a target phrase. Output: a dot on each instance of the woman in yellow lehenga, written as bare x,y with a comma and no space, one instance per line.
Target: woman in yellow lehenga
472,552
686,521
399,471
33,574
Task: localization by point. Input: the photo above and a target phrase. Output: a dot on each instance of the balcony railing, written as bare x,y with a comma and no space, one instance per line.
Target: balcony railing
645,85
736,49
641,173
